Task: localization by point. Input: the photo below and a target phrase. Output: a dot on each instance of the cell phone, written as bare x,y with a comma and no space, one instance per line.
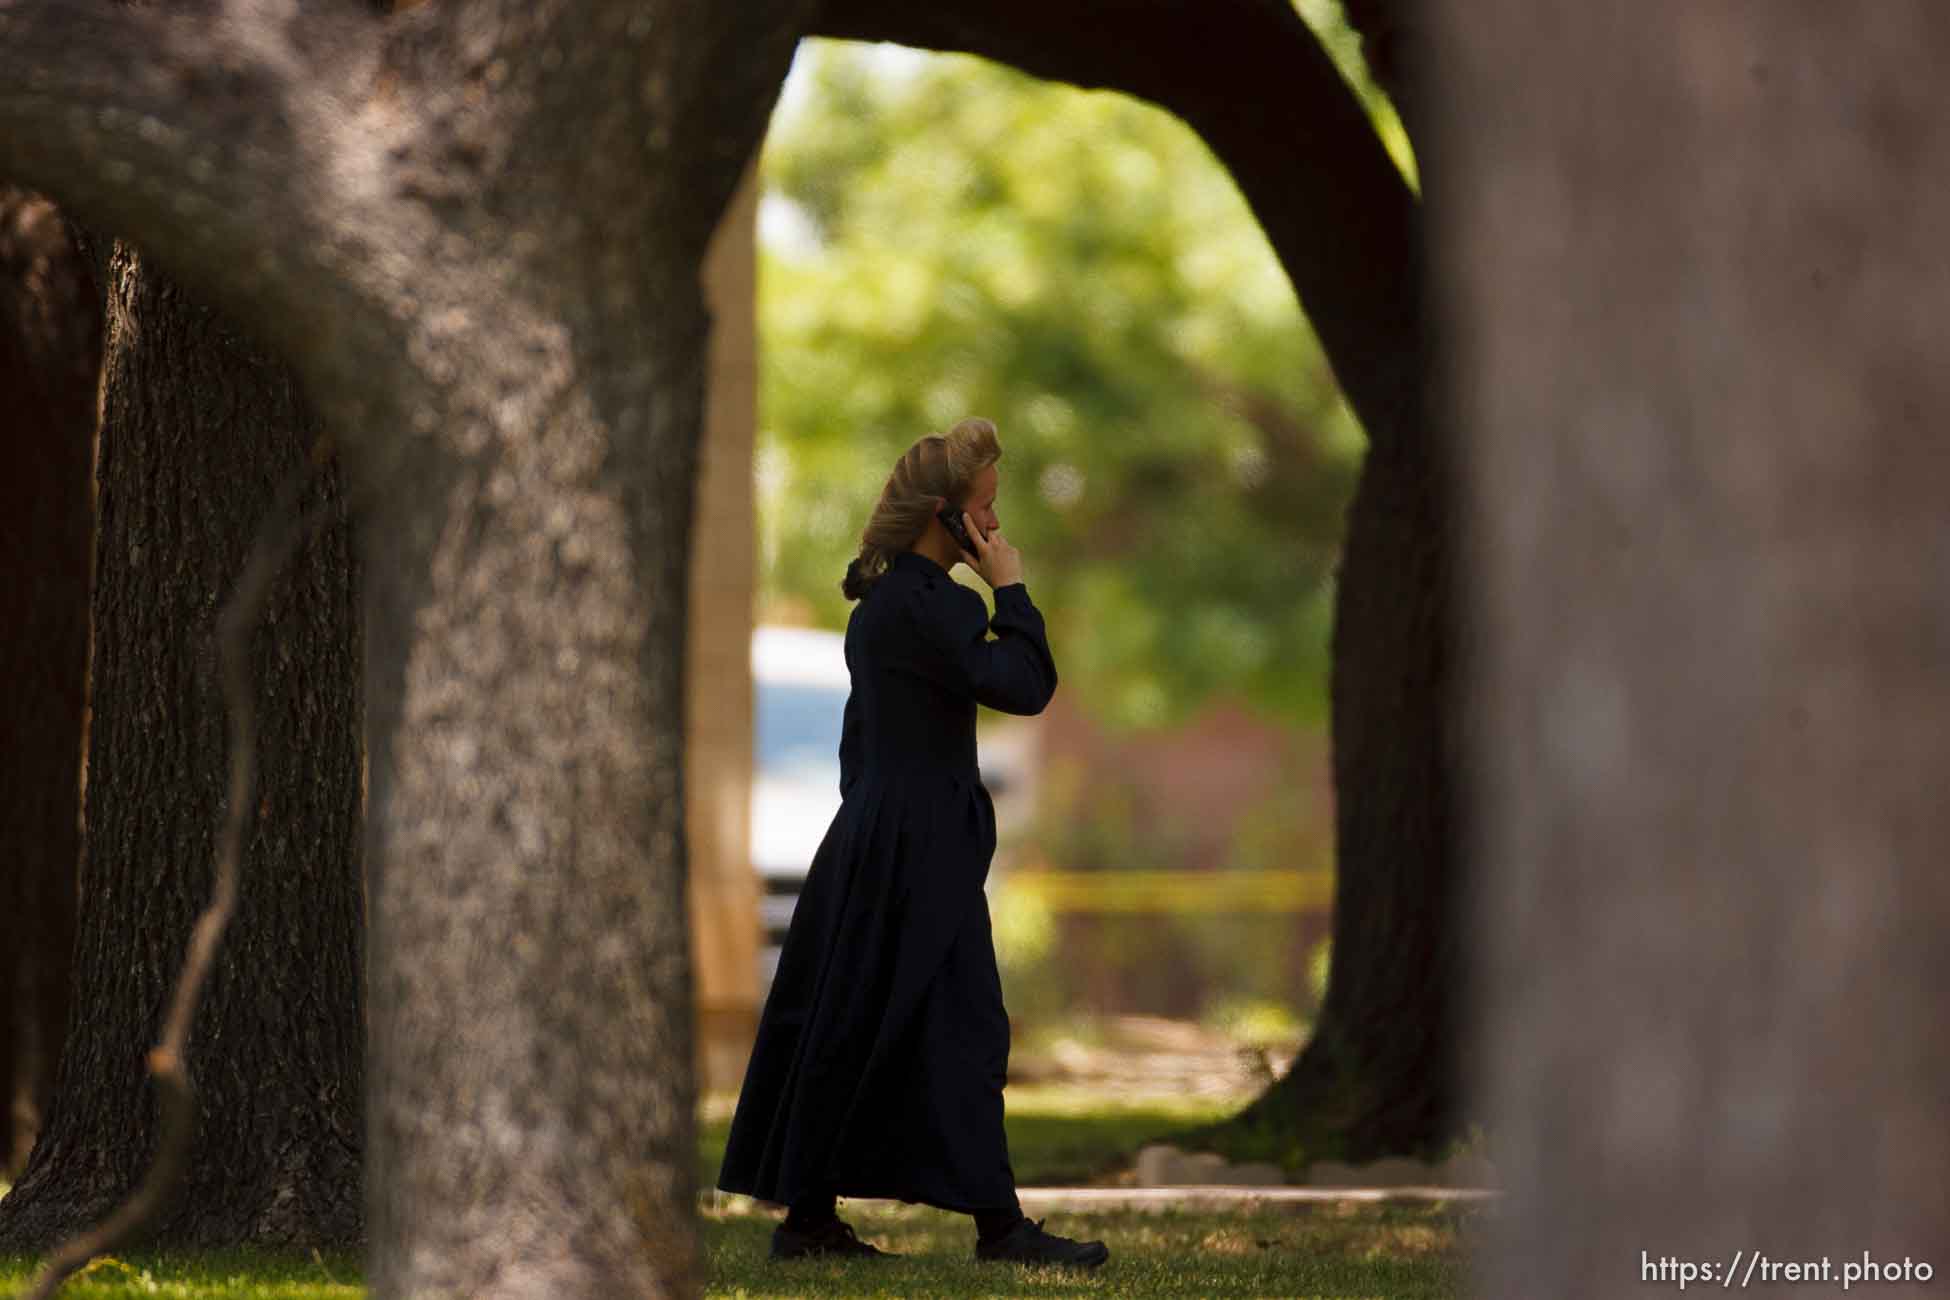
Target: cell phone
950,517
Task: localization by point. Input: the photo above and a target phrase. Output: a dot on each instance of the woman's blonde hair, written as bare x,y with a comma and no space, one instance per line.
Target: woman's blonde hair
936,471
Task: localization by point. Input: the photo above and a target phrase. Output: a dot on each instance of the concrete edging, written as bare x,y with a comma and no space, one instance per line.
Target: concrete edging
1223,1197
1211,1197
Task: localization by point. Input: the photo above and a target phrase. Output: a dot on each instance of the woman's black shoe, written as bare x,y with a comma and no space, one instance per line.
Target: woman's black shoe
833,1237
1027,1243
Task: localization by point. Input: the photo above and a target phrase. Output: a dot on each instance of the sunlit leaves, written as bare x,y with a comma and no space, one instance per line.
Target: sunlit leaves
947,237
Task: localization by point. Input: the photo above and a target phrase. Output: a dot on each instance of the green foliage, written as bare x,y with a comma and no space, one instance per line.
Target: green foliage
1025,932
1077,267
1256,1022
1343,45
1320,963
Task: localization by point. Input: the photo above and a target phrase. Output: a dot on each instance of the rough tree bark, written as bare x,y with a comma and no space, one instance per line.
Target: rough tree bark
476,232
50,358
1381,1072
1700,287
198,432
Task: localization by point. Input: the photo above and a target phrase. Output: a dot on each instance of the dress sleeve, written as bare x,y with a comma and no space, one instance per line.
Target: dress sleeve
850,743
1013,673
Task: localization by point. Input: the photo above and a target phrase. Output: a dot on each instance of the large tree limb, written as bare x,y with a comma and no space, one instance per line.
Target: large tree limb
310,174
1251,78
189,131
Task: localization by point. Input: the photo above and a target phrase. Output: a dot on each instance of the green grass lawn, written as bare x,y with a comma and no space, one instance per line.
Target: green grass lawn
232,1274
1056,1135
1403,1252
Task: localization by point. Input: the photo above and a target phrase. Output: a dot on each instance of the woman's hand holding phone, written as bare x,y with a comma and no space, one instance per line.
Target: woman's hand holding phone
998,562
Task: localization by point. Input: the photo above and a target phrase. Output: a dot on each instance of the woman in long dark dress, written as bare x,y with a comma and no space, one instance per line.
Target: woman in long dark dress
883,1046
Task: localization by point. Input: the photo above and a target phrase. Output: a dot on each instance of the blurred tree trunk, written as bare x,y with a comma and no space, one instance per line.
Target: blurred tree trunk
199,430
1703,307
476,232
50,359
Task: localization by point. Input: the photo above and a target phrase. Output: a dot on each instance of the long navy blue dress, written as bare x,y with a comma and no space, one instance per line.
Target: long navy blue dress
883,1046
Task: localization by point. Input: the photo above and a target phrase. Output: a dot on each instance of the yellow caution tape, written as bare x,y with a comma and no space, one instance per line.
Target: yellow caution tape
1176,891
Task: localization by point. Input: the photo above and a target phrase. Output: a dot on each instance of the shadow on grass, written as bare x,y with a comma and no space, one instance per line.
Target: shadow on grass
1413,1252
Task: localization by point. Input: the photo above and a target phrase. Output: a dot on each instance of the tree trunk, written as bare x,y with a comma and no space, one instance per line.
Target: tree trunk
532,1090
477,232
1381,1073
198,433
1700,286
50,359
533,1125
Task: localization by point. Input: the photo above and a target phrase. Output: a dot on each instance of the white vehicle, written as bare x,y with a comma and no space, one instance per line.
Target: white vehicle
800,685
800,682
